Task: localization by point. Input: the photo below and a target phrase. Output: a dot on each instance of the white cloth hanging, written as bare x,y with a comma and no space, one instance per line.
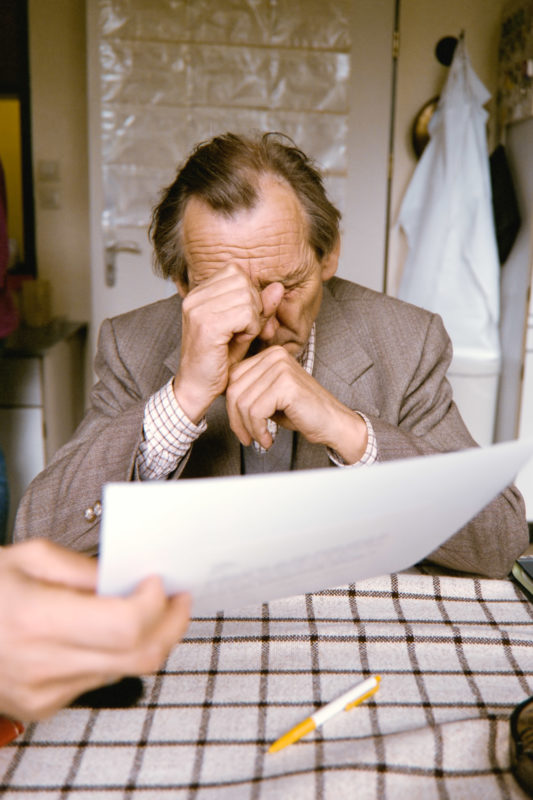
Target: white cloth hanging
452,266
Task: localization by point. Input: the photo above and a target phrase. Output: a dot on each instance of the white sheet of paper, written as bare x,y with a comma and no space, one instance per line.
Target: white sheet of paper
247,539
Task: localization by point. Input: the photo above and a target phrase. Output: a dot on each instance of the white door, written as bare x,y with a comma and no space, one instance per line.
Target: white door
121,274
120,251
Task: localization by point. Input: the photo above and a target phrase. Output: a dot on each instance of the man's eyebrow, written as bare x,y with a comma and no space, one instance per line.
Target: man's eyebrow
287,280
297,275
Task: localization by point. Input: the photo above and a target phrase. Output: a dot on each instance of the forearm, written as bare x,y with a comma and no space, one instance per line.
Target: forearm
490,542
168,435
369,455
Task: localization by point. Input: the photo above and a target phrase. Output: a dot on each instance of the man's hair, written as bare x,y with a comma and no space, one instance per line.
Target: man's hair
225,173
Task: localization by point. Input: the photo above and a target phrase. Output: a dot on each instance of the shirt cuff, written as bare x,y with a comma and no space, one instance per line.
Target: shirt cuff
370,456
168,435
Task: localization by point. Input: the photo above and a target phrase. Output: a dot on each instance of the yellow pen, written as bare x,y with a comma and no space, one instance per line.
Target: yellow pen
353,697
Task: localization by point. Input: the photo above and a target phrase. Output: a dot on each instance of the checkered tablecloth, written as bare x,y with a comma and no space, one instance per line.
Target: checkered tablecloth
455,655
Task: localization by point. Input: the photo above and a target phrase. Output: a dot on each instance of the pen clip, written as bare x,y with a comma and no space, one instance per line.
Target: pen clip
362,698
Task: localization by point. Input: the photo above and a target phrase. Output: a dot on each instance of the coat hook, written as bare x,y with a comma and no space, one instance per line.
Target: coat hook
445,48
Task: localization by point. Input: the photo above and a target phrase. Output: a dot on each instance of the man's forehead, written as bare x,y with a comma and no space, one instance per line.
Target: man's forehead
276,202
270,240
290,266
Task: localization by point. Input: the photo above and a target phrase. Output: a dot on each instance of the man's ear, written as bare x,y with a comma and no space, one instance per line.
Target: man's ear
330,262
182,287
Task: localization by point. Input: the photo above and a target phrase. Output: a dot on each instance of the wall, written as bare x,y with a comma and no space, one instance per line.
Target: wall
59,133
421,77
59,119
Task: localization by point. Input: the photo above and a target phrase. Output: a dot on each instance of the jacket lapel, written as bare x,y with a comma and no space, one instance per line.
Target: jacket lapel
343,367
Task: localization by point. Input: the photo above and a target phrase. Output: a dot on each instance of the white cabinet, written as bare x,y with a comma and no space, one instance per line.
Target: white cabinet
41,399
525,478
515,402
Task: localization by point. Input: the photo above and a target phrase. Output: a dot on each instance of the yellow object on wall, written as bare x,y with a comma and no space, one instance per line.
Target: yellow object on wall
10,153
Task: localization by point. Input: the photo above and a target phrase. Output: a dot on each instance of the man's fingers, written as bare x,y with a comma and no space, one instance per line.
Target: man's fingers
46,561
255,394
271,297
224,290
41,701
163,617
90,645
170,630
90,622
248,415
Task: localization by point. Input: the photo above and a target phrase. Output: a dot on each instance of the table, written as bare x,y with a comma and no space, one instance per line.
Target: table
455,655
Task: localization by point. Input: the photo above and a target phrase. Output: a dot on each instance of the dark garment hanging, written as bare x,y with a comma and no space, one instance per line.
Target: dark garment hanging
504,203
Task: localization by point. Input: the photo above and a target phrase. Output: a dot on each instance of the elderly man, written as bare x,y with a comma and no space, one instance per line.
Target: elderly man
263,361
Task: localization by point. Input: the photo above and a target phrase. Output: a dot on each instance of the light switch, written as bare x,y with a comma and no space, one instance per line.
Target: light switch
49,197
48,170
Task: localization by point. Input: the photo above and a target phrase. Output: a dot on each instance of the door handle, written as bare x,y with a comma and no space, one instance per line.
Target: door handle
111,250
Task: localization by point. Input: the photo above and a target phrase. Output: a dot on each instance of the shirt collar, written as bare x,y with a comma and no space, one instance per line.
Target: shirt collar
307,357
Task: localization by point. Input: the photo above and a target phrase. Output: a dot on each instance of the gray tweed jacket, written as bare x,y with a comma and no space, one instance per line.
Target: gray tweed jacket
376,354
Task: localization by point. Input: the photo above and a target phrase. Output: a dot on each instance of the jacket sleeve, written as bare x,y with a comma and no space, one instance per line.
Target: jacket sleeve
63,502
429,422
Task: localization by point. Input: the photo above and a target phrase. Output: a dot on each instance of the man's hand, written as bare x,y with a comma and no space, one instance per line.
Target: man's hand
221,317
273,385
59,639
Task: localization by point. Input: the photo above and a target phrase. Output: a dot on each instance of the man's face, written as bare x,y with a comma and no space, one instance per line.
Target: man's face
270,243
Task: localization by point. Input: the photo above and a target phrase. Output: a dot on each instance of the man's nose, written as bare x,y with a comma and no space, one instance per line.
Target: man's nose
271,297
269,329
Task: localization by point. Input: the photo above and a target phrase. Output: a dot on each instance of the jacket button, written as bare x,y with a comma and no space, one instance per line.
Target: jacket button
89,514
